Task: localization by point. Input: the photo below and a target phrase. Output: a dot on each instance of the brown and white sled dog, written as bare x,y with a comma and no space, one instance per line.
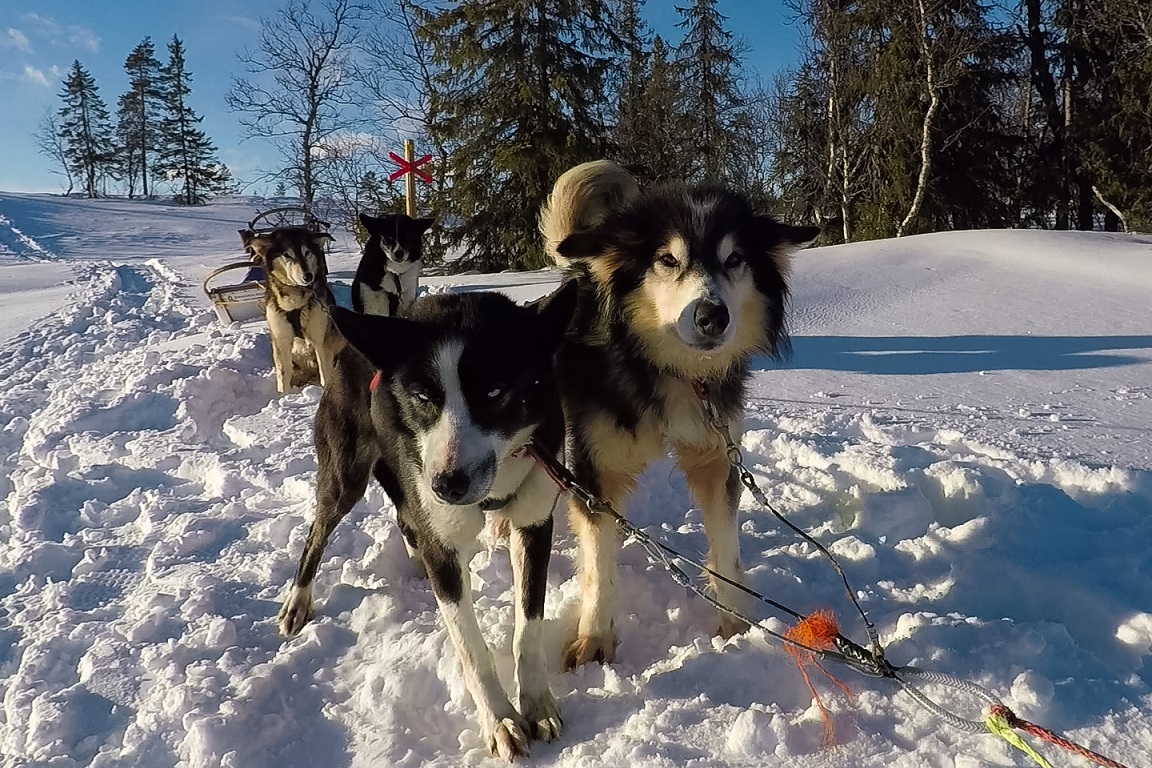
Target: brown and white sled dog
437,407
678,286
296,303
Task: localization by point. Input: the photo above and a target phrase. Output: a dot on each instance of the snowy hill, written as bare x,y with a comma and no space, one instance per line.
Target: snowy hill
966,422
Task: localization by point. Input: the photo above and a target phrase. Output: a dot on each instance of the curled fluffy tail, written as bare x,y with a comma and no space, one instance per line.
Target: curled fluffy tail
580,199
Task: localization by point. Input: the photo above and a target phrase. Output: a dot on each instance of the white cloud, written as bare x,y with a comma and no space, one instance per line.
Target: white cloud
40,26
47,29
16,39
35,76
84,37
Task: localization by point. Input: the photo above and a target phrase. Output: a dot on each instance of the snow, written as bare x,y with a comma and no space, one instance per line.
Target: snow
965,423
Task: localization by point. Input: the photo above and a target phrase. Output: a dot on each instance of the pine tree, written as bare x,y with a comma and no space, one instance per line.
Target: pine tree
520,100
710,64
1115,117
628,83
137,113
127,164
185,154
86,129
652,131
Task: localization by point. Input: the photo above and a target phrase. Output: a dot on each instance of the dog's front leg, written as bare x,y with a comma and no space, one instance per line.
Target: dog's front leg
318,333
530,548
503,728
341,479
715,485
281,332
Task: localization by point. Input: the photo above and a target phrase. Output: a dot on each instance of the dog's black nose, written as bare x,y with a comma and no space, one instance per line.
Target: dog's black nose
309,277
451,486
711,318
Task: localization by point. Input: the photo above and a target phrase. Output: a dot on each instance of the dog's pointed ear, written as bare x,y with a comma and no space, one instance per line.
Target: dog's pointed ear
319,238
383,340
799,237
255,243
791,237
583,245
555,312
422,225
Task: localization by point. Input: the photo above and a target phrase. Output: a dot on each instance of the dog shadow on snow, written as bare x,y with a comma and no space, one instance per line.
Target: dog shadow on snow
917,355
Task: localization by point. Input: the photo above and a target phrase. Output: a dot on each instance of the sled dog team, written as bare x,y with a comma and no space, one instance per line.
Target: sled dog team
665,289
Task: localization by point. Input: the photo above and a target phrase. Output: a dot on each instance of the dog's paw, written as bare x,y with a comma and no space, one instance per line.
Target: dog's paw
543,715
507,737
296,611
586,648
731,626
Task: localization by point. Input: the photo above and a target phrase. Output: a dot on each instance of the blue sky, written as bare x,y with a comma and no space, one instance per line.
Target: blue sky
39,39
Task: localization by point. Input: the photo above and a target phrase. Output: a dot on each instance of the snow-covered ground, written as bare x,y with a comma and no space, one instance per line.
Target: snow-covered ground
966,422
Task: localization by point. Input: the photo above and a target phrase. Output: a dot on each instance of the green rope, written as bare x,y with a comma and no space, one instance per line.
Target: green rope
999,727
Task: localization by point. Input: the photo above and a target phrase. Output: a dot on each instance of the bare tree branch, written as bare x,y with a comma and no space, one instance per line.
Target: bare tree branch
300,86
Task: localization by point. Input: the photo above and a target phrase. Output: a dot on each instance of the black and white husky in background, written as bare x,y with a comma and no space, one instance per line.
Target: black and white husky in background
438,407
296,303
389,271
678,288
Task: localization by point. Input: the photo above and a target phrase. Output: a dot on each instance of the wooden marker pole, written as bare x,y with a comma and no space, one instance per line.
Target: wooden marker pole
410,178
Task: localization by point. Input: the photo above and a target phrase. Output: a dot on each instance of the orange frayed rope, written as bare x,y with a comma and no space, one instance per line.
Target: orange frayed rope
819,630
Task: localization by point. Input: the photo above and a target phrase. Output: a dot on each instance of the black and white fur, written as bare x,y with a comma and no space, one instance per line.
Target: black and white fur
389,271
677,286
466,380
296,303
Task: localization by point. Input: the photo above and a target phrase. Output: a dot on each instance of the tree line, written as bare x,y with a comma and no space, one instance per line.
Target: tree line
506,95
910,116
155,135
900,117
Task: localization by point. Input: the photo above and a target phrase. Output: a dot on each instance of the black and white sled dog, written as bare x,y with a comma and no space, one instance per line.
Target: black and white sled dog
296,303
438,407
389,271
678,287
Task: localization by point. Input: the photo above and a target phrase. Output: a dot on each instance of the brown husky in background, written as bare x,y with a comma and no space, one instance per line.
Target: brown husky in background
296,301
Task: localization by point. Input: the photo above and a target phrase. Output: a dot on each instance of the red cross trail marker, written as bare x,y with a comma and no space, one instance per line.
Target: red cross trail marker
410,166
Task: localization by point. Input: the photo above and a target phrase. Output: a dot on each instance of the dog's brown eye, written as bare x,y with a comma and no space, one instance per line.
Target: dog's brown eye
667,260
733,261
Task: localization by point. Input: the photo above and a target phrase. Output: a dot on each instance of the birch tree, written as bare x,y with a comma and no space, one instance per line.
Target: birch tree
299,92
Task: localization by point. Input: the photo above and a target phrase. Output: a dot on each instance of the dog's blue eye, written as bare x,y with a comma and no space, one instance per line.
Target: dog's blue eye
421,396
495,392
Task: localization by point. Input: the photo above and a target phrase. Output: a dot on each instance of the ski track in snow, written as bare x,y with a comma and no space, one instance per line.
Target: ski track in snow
158,493
14,243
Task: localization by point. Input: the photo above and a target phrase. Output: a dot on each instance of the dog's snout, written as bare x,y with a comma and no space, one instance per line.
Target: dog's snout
711,318
308,277
451,487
